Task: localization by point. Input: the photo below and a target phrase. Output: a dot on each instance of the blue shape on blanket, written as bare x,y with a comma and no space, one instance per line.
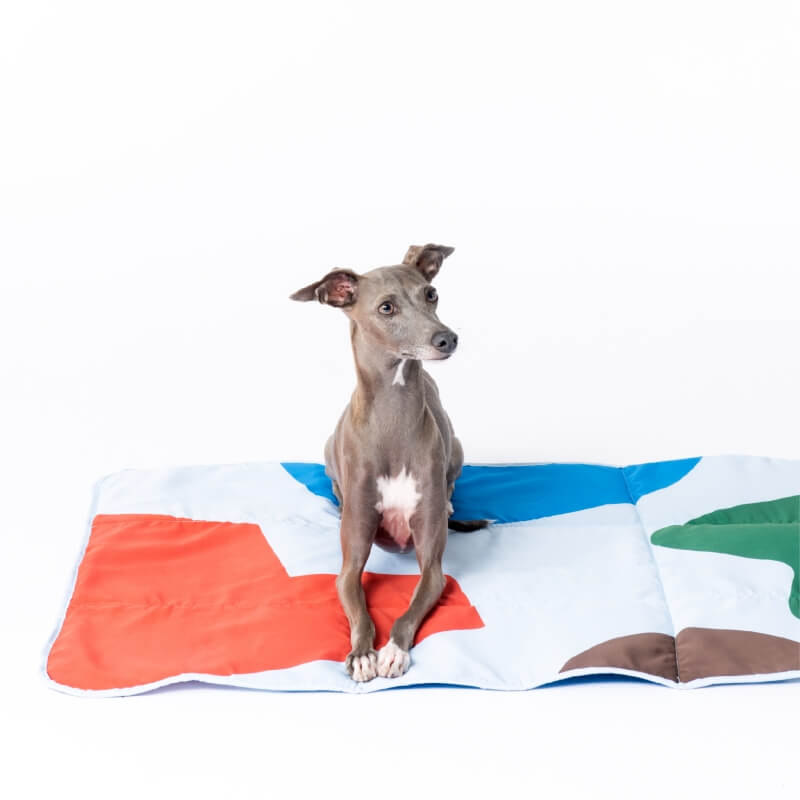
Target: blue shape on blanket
518,492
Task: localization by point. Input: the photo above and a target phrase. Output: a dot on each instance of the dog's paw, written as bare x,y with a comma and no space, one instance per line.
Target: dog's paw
362,666
392,661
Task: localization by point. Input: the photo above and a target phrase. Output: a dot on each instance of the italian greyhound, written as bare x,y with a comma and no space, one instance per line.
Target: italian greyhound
393,458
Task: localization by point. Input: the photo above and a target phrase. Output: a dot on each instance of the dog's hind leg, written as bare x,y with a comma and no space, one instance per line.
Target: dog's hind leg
330,469
337,493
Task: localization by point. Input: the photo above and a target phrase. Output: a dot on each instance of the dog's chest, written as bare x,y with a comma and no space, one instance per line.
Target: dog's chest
398,497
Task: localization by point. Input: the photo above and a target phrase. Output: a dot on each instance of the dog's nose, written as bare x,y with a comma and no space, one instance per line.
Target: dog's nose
445,341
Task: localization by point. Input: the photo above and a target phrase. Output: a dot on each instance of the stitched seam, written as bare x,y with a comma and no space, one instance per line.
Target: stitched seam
658,572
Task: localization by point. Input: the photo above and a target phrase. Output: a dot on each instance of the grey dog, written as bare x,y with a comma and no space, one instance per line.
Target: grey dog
393,458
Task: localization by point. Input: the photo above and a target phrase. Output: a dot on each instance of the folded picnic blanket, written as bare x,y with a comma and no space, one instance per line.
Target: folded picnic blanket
681,572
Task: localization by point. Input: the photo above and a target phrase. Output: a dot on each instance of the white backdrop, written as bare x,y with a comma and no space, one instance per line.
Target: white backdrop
620,182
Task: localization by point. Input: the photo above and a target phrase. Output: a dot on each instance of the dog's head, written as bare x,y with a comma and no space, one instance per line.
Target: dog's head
394,307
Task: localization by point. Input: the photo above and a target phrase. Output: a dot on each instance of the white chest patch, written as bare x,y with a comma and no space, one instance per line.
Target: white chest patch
398,493
399,380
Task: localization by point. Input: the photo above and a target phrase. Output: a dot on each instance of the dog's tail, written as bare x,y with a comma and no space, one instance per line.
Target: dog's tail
467,525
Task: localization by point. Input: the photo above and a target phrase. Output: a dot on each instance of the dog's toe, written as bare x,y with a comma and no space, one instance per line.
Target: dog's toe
392,660
362,666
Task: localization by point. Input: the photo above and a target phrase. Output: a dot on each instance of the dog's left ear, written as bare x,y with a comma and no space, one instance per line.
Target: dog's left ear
427,258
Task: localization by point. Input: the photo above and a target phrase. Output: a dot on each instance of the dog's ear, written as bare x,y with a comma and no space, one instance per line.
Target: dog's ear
427,258
338,288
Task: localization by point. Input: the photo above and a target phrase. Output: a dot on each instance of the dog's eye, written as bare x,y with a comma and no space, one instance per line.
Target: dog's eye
386,308
430,295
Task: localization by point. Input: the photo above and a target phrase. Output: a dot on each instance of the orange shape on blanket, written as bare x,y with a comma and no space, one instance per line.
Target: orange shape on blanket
158,596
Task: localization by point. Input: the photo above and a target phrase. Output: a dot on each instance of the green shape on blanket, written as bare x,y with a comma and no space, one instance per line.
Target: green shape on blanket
767,530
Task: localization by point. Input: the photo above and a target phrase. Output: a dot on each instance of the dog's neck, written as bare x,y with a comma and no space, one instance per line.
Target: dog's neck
381,376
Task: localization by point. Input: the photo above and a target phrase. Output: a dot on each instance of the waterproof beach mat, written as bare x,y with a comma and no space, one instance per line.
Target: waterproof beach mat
682,572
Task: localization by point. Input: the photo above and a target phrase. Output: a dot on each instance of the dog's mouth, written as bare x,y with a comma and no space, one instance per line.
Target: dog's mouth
437,357
425,354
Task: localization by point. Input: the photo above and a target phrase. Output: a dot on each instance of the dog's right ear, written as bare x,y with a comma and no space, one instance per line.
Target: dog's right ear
427,258
338,288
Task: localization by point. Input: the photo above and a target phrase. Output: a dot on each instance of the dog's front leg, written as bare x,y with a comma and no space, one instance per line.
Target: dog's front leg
394,658
358,529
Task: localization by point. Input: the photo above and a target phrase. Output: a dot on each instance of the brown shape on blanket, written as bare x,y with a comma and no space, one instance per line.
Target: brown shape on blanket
651,653
711,652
